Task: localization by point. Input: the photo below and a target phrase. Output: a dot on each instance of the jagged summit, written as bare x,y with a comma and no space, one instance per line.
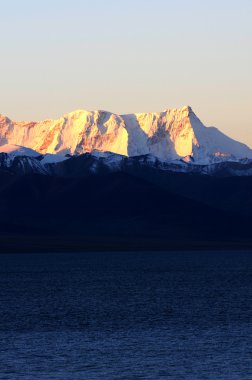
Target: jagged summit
169,135
185,109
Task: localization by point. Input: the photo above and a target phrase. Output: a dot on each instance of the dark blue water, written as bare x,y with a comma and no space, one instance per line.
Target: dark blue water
126,316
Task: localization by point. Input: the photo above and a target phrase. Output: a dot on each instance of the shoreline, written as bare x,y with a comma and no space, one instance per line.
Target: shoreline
45,244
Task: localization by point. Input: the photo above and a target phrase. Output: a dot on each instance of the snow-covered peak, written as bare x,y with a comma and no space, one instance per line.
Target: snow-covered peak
211,143
12,151
169,135
186,110
17,150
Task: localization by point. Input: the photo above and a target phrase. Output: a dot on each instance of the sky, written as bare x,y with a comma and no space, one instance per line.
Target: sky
128,56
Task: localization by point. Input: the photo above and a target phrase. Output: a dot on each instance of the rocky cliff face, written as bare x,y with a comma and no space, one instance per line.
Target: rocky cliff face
169,135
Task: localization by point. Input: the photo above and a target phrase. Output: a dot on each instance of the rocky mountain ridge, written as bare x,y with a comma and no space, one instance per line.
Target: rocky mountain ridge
173,134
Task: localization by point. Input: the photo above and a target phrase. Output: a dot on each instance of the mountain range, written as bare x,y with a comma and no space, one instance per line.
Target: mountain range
171,135
92,180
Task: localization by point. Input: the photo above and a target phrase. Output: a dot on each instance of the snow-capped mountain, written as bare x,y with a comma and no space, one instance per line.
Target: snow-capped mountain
17,151
174,134
100,163
22,160
21,164
96,179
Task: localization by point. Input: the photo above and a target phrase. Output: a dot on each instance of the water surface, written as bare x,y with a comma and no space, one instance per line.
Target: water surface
126,316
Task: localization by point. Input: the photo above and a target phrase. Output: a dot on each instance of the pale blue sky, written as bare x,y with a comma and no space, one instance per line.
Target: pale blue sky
128,56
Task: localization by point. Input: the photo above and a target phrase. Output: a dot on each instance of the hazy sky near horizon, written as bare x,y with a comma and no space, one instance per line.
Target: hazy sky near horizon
128,56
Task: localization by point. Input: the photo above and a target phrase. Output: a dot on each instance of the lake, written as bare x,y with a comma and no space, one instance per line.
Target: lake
137,315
